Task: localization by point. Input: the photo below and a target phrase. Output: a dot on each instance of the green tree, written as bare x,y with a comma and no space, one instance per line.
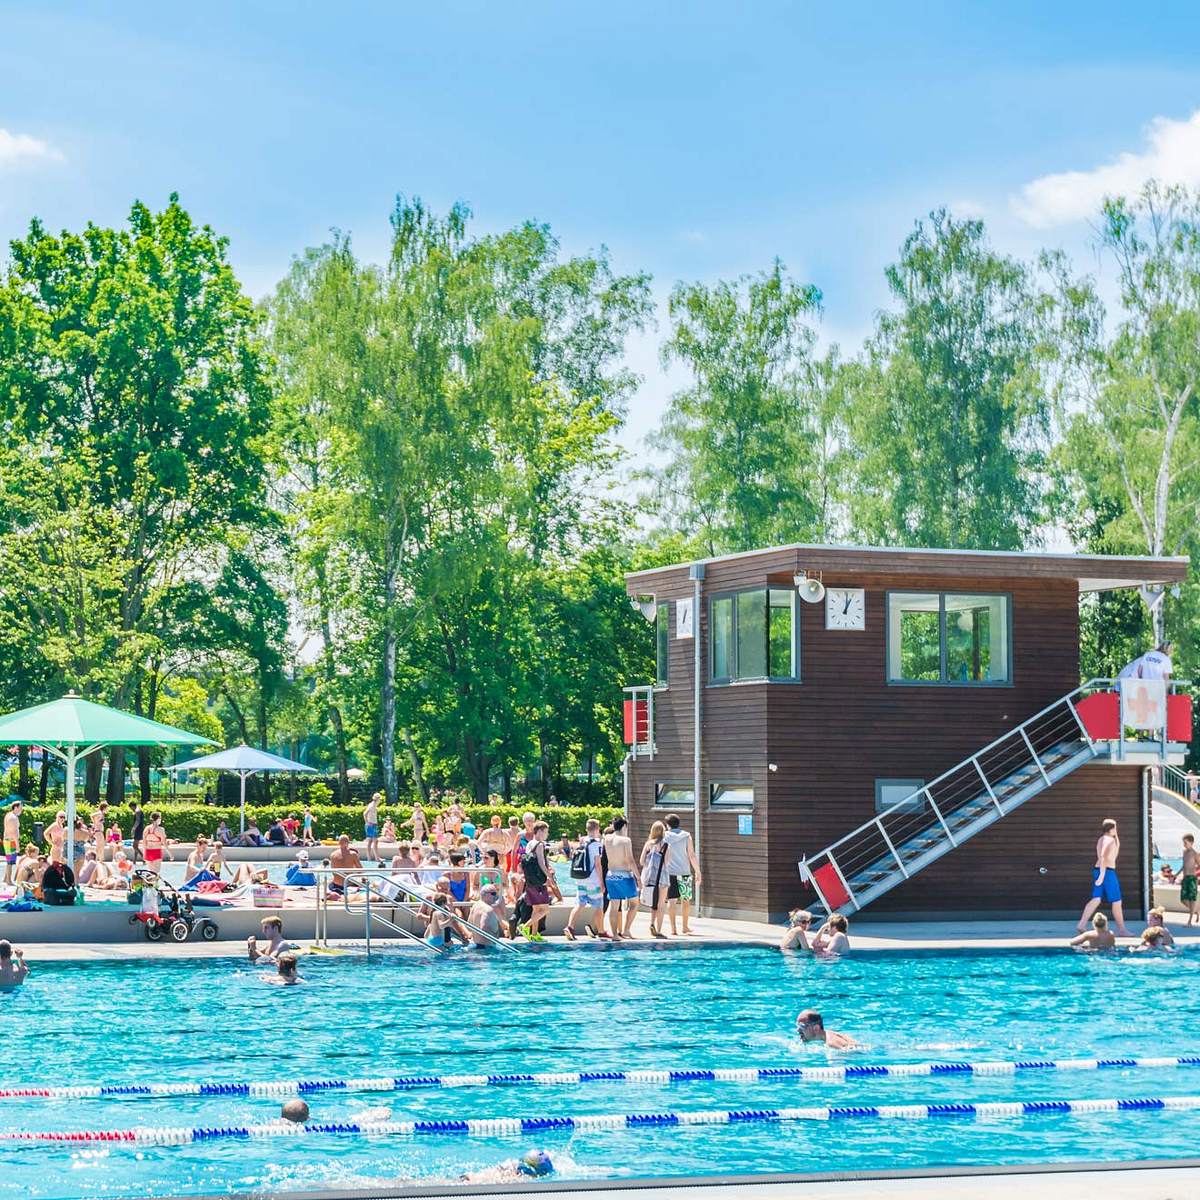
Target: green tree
746,444
949,417
130,359
1131,408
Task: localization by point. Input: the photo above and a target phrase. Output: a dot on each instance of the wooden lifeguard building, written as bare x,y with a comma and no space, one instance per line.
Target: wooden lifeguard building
894,728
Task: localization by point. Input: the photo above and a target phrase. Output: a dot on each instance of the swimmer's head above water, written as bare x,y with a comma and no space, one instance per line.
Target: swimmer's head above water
535,1162
295,1110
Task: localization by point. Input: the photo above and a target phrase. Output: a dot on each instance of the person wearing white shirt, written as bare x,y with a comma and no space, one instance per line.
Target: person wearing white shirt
683,872
1154,664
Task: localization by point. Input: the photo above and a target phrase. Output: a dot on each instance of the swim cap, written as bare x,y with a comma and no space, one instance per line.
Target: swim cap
535,1162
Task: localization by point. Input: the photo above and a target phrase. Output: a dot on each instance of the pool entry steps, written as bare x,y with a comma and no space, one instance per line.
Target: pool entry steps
1086,725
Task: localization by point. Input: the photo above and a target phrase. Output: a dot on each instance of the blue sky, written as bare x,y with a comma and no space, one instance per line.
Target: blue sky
694,140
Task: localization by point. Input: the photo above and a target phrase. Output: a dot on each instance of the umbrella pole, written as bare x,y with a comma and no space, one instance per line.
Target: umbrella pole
71,760
242,777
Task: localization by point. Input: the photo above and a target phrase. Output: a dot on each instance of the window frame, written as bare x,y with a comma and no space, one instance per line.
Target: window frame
715,805
733,680
1010,671
662,616
661,786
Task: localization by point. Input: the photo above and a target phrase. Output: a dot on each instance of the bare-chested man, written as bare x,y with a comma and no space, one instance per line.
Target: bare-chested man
1189,876
1106,887
12,841
621,881
346,858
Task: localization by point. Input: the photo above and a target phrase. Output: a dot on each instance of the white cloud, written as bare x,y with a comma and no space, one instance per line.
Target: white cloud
1171,155
20,149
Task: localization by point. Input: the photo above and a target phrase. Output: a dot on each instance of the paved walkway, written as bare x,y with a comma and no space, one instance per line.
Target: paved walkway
1136,1183
865,935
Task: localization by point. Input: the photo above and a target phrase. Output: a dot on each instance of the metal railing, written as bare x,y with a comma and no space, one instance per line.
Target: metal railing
642,694
371,895
951,808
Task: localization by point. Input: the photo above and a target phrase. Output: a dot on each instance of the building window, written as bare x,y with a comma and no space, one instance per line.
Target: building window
948,638
890,792
674,795
662,643
738,796
754,636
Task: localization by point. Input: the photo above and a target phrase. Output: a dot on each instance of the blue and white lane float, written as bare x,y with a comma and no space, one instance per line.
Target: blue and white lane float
523,1126
402,1083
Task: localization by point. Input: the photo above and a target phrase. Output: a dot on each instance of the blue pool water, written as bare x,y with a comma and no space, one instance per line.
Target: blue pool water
590,1009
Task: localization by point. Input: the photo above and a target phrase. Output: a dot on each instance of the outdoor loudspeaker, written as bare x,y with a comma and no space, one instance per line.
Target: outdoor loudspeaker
812,591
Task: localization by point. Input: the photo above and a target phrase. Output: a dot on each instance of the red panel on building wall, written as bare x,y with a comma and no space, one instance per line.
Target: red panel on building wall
831,886
637,722
1179,718
1101,715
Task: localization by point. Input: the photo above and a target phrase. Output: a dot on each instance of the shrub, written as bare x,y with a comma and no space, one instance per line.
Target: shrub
185,821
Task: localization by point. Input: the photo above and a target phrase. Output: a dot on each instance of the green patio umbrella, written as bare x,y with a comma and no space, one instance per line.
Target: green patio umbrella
72,728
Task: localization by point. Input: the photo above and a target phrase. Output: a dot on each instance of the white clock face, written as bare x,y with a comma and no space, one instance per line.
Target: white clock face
845,608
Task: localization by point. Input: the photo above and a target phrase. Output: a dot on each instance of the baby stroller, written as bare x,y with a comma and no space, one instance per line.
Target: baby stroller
174,917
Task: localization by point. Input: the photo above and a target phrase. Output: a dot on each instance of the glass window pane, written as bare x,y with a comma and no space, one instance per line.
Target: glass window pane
752,635
668,795
914,638
662,635
722,637
976,639
732,795
780,641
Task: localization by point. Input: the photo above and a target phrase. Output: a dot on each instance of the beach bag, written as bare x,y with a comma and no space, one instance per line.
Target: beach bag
267,895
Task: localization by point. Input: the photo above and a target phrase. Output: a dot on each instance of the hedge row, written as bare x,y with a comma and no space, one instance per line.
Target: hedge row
185,821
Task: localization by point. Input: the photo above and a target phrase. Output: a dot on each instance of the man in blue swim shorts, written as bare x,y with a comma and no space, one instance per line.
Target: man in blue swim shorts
1106,887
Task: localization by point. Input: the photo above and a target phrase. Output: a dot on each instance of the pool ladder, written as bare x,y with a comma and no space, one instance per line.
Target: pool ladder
398,896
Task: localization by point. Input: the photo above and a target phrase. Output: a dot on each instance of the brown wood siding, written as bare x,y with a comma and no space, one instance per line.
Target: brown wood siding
841,728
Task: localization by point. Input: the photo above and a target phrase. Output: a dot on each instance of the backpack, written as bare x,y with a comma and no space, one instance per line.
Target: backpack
581,861
532,870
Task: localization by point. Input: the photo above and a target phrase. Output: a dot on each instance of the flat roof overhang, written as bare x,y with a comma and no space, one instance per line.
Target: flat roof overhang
1092,572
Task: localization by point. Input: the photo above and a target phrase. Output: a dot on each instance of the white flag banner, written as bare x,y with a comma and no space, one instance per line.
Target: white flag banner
1144,703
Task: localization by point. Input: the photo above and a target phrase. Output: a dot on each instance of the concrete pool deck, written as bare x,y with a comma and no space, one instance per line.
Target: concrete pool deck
867,936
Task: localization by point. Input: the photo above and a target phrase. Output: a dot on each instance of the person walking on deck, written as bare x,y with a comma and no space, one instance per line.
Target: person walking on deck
1106,887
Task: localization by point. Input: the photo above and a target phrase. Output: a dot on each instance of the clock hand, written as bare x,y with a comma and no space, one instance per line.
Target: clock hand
846,606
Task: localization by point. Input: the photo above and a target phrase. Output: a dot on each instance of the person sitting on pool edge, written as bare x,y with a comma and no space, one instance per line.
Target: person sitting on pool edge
1099,937
811,1028
795,937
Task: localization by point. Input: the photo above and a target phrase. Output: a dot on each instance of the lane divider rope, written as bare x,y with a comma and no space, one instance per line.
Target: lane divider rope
511,1126
400,1083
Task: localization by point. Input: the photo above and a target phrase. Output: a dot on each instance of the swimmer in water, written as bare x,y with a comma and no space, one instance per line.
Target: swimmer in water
286,974
533,1164
811,1028
1099,937
272,930
1153,938
795,937
294,1110
12,967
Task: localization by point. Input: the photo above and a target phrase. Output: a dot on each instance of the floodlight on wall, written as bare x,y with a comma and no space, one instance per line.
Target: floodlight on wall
647,606
810,587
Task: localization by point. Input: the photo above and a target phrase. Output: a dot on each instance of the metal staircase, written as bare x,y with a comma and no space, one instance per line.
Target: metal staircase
954,807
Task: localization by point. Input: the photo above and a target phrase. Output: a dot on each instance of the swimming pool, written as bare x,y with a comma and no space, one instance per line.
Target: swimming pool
590,1009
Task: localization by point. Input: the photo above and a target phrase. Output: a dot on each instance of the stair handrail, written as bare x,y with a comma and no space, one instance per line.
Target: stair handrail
417,901
1090,686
